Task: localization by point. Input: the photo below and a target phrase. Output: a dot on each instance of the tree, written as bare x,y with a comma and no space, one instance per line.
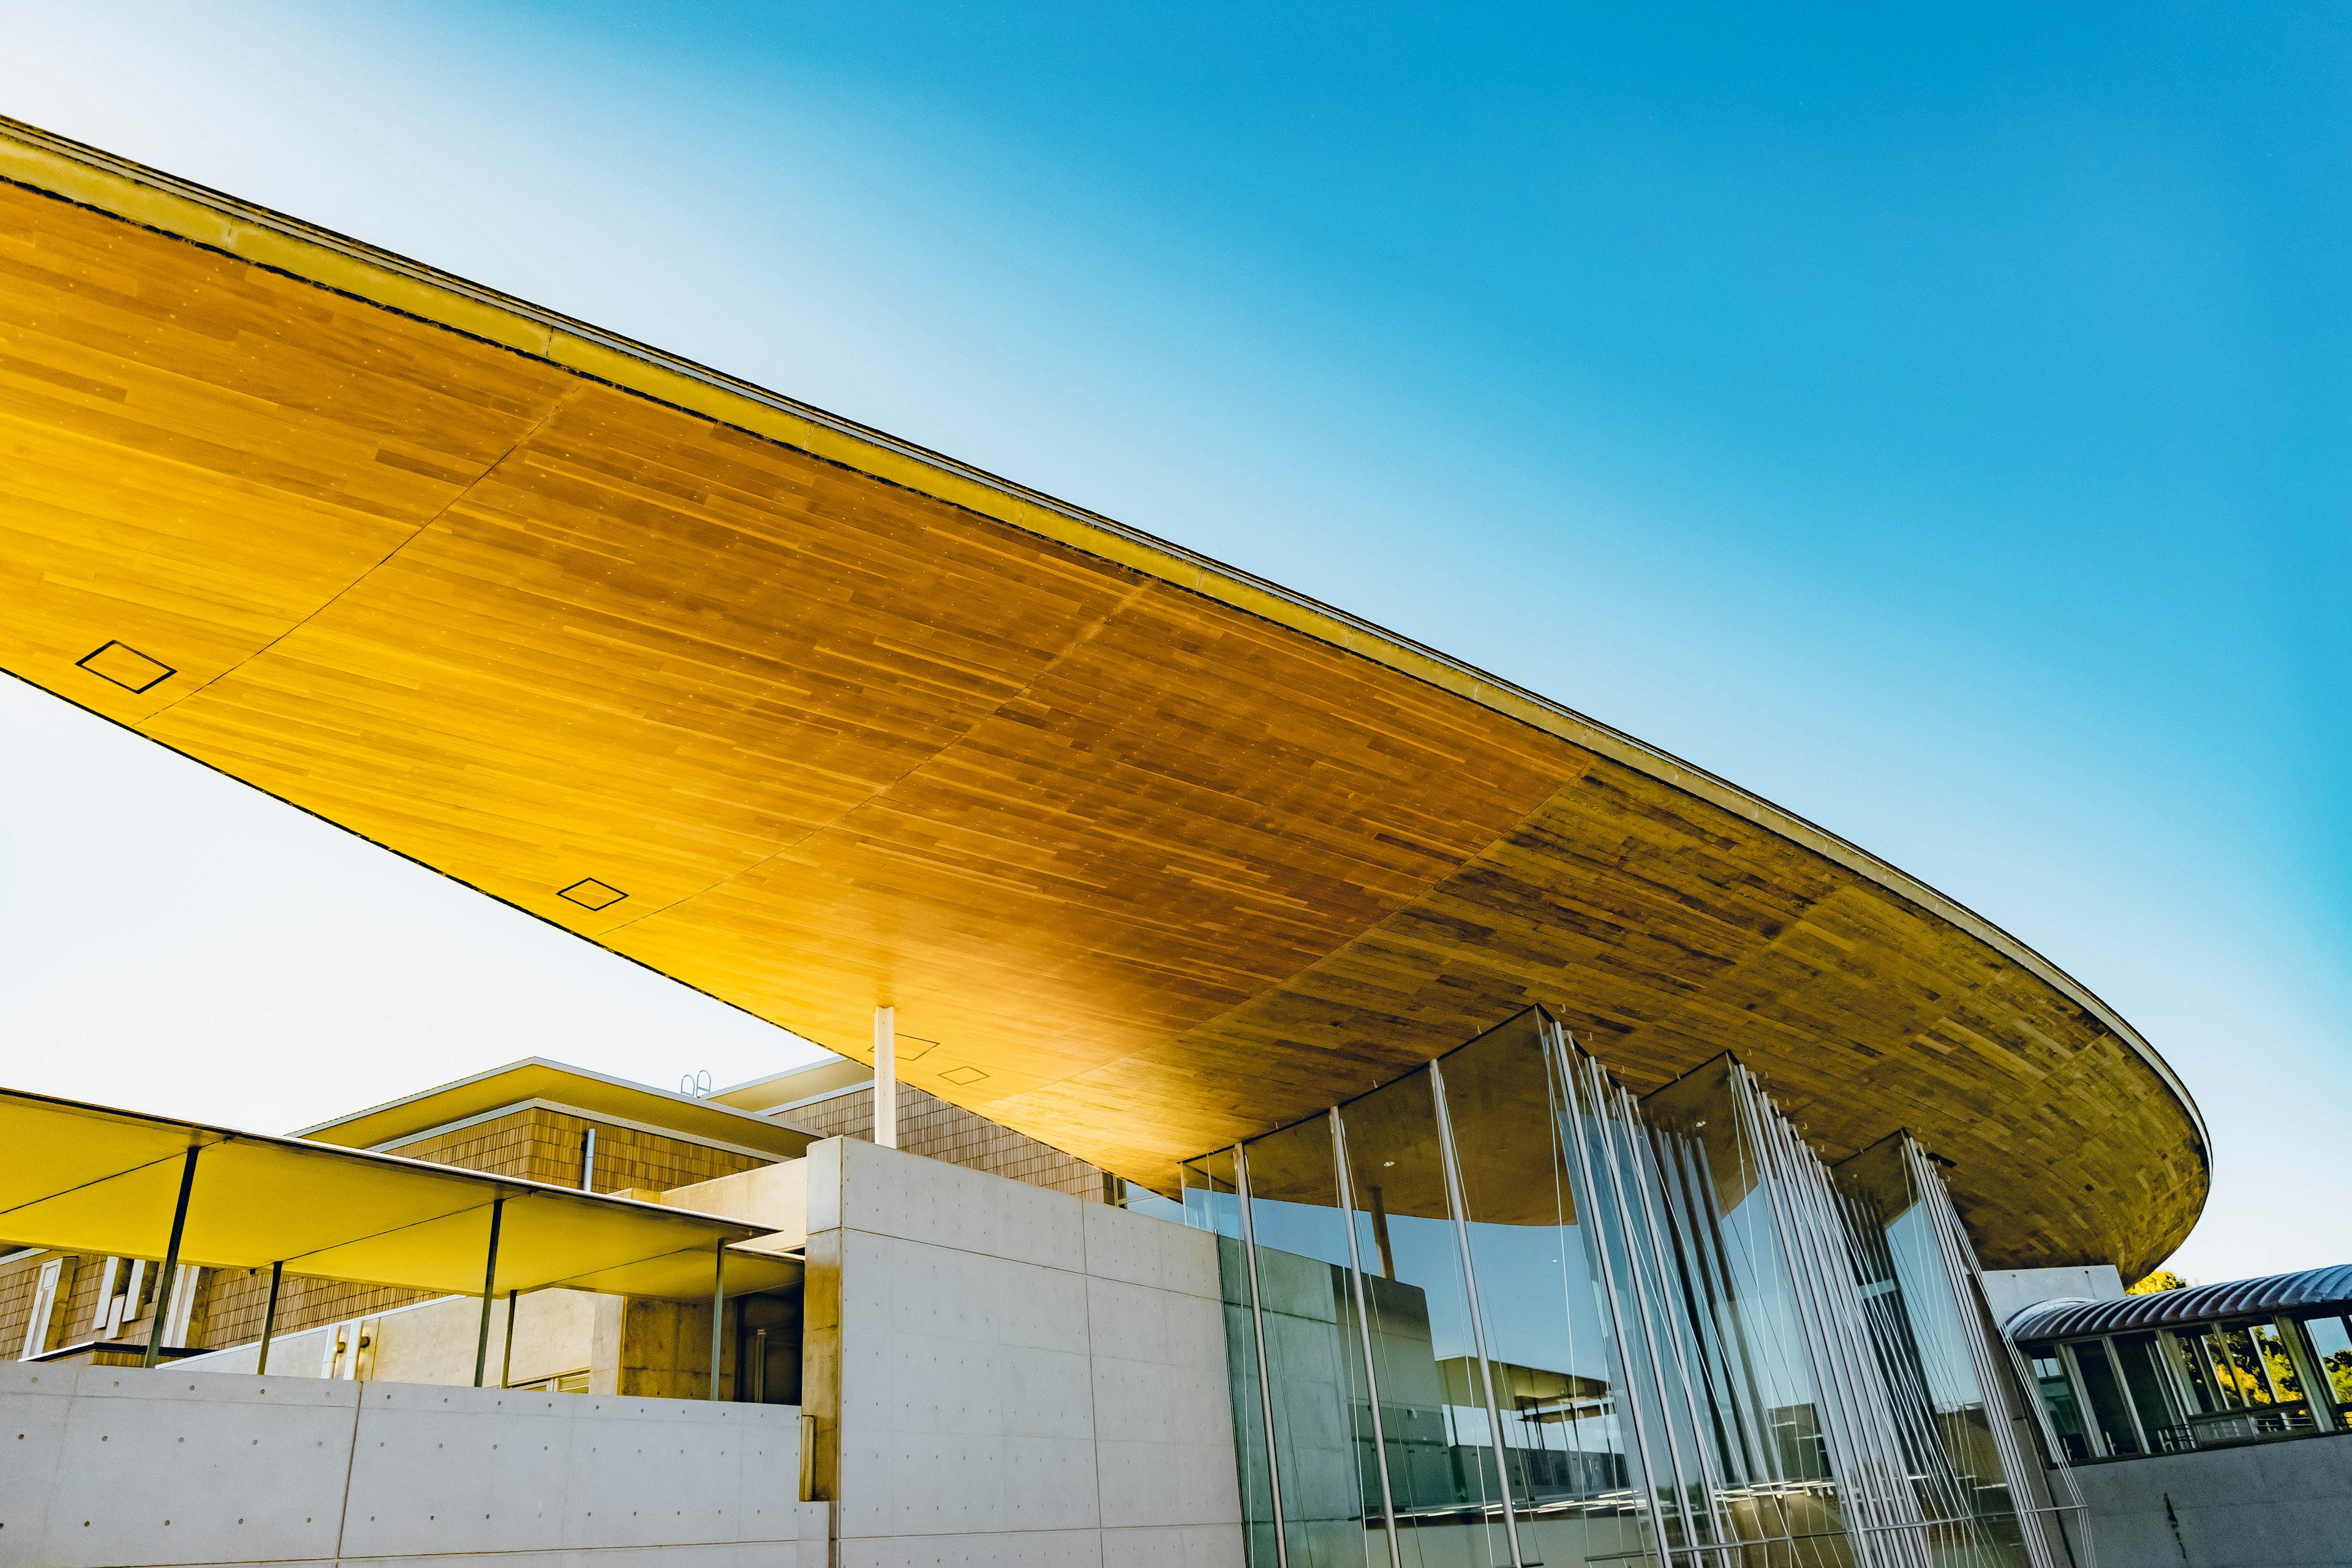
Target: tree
2162,1279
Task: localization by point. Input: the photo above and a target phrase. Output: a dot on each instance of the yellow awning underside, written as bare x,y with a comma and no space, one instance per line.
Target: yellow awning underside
87,1178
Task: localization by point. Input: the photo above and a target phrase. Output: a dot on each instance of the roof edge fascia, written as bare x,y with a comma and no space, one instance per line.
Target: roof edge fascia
134,192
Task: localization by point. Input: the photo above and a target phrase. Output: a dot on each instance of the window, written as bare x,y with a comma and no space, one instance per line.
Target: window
2057,1392
2144,1379
2117,1434
2331,1344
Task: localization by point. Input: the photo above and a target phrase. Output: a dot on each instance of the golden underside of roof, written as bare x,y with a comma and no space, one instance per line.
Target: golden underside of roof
1152,868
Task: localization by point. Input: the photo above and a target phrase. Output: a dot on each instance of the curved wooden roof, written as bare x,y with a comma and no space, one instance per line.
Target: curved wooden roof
1156,853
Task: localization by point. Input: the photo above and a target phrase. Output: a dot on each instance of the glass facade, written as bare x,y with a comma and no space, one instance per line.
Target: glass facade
2197,1385
1509,1316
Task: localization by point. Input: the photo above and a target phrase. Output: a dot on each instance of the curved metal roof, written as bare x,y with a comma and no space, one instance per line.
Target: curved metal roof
2312,1289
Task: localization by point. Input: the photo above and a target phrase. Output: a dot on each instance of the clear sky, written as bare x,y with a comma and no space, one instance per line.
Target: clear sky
1938,421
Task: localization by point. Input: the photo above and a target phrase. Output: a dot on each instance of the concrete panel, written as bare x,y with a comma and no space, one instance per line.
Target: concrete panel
34,1403
1179,1546
1053,1549
1138,1249
166,1467
2284,1504
120,1467
889,1193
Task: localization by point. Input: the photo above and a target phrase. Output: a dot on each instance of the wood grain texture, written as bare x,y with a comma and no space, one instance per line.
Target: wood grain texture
1154,870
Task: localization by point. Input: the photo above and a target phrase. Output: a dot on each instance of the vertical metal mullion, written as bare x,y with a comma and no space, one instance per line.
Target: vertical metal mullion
1265,1372
1578,1096
1478,1320
1665,1261
1455,1201
1929,1191
1605,1095
1852,1359
1829,1386
1346,1194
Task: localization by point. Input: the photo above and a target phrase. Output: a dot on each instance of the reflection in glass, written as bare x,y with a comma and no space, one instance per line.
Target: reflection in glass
2057,1391
2104,1392
2331,1344
1935,1360
1564,1436
2144,1380
1332,1511
1212,1203
1441,1462
1510,1317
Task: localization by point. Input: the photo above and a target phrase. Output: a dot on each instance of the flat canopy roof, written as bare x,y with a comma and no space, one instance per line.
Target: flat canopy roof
89,1178
1153,854
535,1078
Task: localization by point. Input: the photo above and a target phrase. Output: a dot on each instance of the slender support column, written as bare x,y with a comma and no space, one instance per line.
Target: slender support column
489,1293
506,1361
1458,1202
171,1261
718,1308
1347,1195
1265,1372
886,1077
588,1161
269,1317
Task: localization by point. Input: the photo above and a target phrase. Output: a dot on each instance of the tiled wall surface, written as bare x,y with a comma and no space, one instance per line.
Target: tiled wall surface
931,1127
1001,1374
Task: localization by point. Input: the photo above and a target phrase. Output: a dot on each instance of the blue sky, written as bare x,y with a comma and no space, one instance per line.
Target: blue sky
1937,421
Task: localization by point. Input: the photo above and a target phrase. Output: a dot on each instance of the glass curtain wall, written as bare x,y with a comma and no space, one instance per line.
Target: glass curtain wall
1957,1441
1510,1317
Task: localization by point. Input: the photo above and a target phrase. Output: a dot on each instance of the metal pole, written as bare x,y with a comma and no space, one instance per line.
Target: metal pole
490,1294
886,1077
170,1259
1347,1196
718,1309
506,1361
268,1319
1265,1372
588,1161
1456,1201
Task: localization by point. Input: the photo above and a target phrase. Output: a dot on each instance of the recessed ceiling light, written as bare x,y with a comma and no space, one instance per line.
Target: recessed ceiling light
126,667
591,894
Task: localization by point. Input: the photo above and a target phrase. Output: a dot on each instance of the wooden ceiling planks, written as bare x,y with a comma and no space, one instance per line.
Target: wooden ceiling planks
1155,869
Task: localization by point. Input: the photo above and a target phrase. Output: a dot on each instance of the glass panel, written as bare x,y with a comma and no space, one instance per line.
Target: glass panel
1440,1459
1139,1199
1770,1424
2238,1368
2144,1380
1212,1202
2188,1358
1926,1354
2331,1346
2106,1397
2278,1363
1570,1455
1331,1513
2057,1391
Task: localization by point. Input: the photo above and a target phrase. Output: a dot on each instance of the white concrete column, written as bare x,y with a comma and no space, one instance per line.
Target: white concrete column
886,1077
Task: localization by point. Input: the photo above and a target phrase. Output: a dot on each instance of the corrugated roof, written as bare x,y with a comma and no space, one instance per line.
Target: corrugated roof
2313,1289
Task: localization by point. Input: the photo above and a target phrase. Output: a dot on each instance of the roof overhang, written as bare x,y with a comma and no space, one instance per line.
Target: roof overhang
1158,853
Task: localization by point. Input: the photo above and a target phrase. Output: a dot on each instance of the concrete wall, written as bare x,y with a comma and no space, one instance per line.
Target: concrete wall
109,1468
2267,1505
434,1341
1007,1376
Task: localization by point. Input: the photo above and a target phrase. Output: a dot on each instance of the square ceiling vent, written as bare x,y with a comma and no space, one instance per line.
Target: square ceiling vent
963,1076
126,667
591,894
